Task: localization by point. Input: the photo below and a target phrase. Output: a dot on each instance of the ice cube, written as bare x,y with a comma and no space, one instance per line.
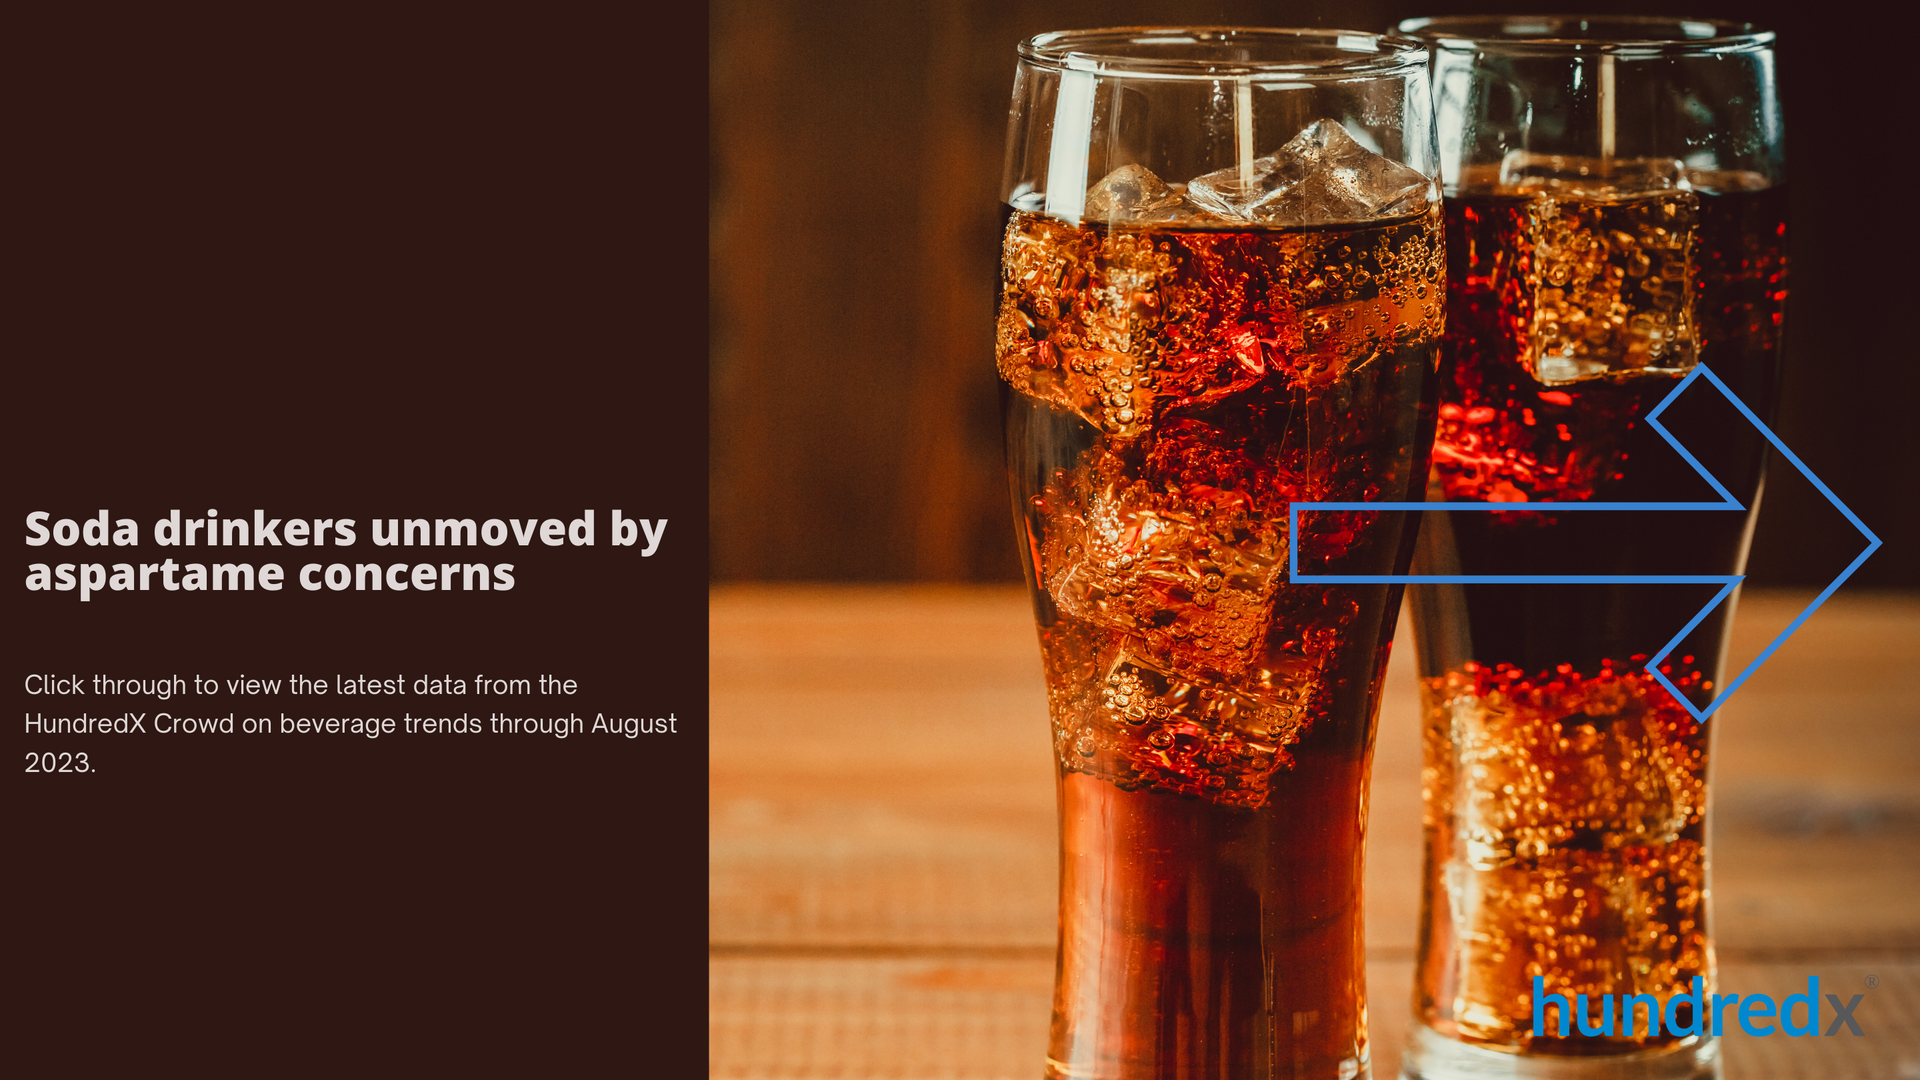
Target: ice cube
1321,175
1529,779
1589,922
1181,555
1567,800
1142,726
1587,177
1612,283
1558,916
1073,307
1724,181
1611,269
1132,193
1122,326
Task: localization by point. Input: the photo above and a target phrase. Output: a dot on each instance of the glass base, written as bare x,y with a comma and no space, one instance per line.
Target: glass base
1432,1056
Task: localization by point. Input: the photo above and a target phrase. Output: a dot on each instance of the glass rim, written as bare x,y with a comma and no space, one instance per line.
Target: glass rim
1103,52
1623,35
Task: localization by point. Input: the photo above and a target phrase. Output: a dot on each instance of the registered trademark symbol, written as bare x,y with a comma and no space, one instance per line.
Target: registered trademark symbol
1873,982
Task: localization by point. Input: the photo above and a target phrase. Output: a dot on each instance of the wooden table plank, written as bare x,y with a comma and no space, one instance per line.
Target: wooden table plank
880,770
882,812
897,1018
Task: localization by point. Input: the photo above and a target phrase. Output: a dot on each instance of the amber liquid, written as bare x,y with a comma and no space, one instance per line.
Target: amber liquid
1168,394
1564,788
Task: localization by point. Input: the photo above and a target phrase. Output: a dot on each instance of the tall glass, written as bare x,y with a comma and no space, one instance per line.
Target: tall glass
1221,292
1615,216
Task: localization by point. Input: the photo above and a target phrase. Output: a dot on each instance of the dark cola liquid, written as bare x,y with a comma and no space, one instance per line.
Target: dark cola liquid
1505,436
1565,789
1168,394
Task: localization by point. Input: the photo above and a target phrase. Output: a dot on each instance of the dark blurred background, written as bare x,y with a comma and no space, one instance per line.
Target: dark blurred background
855,152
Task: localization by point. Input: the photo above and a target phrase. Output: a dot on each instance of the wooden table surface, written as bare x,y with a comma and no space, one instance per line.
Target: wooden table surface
882,861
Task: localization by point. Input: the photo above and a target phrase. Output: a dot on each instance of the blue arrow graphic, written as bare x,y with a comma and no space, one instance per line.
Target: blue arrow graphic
1728,582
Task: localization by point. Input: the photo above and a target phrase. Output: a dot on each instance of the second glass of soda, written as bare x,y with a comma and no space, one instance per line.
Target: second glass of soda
1616,217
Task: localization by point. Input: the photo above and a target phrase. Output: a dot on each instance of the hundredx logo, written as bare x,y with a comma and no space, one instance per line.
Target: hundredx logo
1754,1012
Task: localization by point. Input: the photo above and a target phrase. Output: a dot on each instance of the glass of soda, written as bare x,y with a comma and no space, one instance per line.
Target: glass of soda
1221,293
1615,216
